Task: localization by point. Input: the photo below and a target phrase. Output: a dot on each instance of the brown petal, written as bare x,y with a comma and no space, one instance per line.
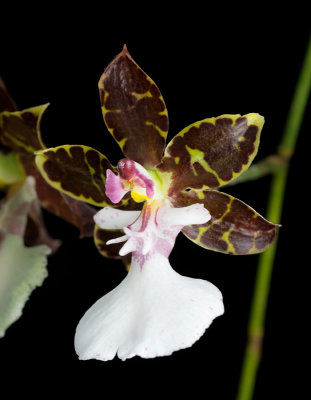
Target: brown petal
234,227
212,152
133,110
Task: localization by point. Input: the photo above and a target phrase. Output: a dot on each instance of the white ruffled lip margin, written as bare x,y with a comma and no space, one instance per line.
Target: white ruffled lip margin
154,311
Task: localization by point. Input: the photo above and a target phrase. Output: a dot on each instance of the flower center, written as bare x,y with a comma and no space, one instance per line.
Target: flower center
133,177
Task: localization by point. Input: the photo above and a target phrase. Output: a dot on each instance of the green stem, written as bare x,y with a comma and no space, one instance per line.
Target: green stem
266,260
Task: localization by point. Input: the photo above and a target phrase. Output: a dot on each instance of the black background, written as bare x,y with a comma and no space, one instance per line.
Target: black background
203,69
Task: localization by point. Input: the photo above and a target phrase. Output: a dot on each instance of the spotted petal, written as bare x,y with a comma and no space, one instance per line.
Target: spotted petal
234,227
20,130
133,110
78,171
212,152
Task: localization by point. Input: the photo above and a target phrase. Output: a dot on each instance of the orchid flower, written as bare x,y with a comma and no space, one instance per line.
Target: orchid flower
146,201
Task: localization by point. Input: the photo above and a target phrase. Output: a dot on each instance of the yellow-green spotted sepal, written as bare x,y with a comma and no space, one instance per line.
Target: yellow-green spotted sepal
20,130
134,110
78,171
212,152
234,227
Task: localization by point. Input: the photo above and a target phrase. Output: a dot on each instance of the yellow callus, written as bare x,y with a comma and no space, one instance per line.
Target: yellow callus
138,197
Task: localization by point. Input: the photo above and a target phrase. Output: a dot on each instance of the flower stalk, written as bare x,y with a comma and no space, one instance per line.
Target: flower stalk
286,149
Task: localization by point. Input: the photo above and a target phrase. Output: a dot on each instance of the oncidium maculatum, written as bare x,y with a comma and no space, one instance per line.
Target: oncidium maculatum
146,201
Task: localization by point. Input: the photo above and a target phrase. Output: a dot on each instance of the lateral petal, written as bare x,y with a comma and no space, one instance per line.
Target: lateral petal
234,227
212,152
111,218
78,171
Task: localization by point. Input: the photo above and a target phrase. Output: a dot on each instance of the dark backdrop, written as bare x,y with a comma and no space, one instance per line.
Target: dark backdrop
202,70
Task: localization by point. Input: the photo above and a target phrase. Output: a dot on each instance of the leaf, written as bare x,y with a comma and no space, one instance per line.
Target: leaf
235,228
212,152
20,130
21,268
101,237
134,110
78,171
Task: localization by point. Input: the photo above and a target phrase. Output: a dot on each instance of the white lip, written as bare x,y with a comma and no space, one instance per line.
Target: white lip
154,311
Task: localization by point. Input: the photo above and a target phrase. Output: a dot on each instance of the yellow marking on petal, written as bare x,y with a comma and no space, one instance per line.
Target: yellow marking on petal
225,237
200,194
41,159
255,119
104,109
198,156
92,171
122,142
140,96
161,132
252,119
177,159
185,130
202,229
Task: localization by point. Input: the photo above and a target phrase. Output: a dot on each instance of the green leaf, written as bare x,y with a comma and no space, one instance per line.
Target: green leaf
212,152
134,110
234,227
21,268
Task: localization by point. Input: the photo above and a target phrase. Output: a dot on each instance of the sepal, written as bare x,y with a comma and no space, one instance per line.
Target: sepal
20,130
234,227
134,110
